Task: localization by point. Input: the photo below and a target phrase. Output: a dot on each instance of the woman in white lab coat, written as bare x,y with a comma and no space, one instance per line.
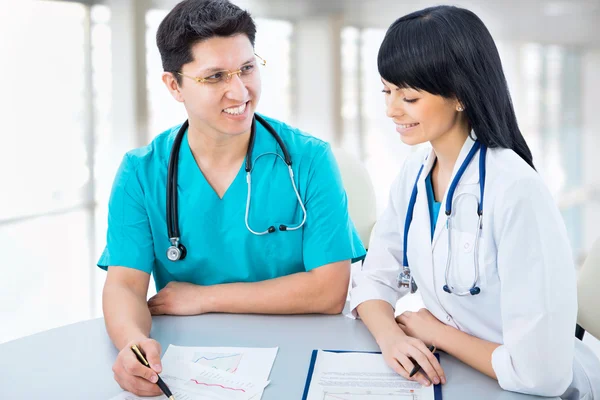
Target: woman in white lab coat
506,302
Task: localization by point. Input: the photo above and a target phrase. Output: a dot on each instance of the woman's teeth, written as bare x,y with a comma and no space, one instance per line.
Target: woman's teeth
406,126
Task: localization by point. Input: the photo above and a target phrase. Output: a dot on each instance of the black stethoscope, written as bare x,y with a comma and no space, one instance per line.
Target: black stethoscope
177,250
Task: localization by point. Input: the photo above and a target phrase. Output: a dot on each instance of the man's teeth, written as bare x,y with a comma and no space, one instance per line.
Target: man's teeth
405,126
236,110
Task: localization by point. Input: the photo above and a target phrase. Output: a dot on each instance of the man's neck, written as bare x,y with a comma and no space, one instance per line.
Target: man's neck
215,149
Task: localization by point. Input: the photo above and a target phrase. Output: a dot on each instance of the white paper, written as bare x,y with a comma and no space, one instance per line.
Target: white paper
214,373
179,395
190,381
254,363
361,376
208,382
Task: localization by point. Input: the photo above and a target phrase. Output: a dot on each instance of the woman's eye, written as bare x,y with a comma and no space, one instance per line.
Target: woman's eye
386,91
410,100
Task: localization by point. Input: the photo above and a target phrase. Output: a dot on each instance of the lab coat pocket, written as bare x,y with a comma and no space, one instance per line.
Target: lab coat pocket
464,269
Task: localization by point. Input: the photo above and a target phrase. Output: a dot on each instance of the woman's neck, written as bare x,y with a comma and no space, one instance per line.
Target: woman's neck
447,149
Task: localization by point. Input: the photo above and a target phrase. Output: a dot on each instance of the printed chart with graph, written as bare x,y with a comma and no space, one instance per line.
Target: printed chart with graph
370,395
222,361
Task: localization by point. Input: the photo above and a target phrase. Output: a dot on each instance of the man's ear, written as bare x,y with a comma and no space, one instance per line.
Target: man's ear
172,85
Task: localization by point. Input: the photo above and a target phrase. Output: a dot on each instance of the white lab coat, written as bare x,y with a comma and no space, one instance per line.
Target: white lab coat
528,299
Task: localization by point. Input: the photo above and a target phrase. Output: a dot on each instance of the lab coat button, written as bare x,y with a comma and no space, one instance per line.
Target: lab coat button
448,318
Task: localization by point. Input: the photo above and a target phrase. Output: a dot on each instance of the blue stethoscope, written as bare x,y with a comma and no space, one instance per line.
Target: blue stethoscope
404,277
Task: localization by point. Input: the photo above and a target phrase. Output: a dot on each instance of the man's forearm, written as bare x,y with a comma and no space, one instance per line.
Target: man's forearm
126,315
298,293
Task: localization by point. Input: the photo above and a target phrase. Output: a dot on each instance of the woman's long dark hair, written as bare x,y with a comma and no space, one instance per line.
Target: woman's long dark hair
448,51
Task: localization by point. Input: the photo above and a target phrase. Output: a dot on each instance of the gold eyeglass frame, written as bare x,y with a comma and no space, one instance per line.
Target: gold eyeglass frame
238,72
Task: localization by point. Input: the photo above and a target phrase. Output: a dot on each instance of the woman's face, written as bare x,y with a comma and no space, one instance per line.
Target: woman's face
421,116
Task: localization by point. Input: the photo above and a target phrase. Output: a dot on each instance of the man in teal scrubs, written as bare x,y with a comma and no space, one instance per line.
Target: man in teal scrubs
207,50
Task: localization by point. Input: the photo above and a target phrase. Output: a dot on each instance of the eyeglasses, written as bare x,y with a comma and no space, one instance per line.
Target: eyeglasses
225,75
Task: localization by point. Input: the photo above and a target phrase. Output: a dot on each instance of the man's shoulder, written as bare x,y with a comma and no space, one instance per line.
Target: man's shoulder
298,142
155,152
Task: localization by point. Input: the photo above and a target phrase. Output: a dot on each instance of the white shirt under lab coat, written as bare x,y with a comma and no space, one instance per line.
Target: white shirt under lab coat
528,301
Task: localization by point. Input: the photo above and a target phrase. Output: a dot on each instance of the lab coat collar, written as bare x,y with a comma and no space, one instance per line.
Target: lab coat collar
470,177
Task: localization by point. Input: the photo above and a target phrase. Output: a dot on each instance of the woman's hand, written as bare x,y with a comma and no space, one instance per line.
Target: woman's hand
422,325
397,347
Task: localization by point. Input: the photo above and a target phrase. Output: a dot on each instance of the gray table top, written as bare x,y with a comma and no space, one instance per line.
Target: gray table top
74,362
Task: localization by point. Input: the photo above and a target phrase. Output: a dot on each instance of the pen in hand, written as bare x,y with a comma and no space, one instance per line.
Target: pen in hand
161,384
417,367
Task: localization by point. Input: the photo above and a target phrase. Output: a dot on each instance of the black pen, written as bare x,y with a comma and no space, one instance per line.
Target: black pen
162,385
417,367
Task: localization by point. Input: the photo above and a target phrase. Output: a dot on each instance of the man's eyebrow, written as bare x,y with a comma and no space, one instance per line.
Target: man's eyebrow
217,69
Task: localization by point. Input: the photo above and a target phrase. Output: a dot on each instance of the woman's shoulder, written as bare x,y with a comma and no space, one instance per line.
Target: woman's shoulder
515,182
508,169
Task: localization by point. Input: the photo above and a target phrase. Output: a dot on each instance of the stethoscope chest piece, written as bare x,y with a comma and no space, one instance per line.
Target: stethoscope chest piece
176,251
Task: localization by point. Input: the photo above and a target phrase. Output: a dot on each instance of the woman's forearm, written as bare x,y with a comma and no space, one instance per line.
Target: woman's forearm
378,316
471,350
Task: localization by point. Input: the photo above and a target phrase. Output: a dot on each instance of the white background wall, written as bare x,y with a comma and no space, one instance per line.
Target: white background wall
82,85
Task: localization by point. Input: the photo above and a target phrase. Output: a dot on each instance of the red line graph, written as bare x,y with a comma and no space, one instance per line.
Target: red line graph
221,386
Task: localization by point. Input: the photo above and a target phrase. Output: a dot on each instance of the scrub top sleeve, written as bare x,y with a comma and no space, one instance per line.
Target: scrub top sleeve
329,235
376,280
129,240
537,294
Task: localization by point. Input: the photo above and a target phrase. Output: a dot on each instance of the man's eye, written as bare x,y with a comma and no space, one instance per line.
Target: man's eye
215,77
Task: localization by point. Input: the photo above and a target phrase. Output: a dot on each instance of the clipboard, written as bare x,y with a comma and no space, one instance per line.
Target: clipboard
437,389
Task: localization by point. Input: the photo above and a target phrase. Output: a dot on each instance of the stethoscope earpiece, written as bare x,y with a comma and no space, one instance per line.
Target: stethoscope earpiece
474,290
282,228
271,229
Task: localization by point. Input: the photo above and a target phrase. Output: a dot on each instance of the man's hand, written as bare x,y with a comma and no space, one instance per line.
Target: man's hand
132,375
179,298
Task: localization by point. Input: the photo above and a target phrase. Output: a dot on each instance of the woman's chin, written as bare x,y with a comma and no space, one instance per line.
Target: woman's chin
411,140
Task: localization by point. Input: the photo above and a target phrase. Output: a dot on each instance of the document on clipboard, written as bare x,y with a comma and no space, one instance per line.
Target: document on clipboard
342,375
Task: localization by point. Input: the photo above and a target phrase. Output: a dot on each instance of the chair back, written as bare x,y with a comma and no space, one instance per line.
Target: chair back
588,293
360,192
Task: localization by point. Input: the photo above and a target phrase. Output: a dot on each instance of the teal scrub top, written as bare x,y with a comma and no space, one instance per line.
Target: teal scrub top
434,206
220,249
